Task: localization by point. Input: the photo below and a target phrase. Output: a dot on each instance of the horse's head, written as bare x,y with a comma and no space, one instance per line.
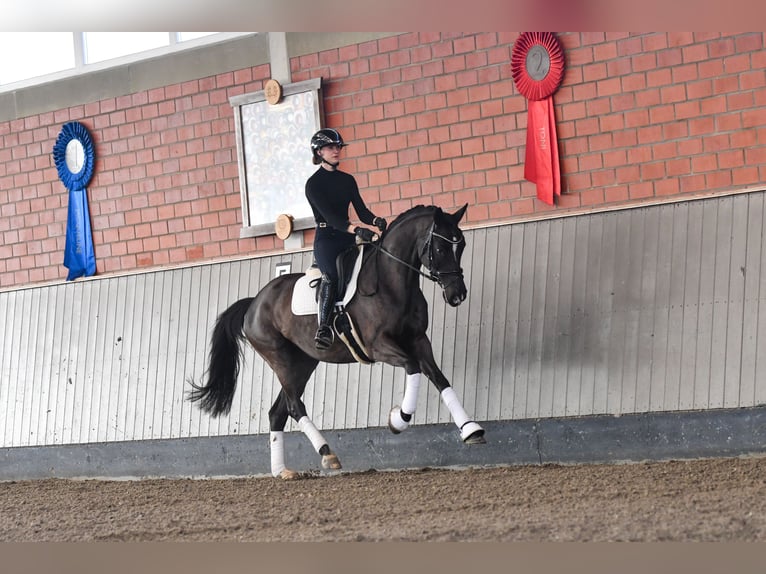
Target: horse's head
441,253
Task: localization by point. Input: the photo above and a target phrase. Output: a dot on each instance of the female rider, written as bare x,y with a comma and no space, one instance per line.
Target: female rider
329,192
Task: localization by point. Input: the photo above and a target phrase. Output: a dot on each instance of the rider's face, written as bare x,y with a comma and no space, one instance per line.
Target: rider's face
330,153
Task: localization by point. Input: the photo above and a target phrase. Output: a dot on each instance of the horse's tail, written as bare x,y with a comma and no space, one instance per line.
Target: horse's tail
225,355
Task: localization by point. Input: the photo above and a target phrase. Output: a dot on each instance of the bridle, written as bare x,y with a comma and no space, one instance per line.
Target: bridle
433,275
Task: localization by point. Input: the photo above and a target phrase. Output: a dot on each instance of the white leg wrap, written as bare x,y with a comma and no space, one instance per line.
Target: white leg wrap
410,400
449,396
395,420
277,442
308,428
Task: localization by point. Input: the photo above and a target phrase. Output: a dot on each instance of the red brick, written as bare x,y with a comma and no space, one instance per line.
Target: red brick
676,167
746,176
650,134
629,46
680,38
604,178
608,87
644,99
590,162
749,42
666,187
644,62
739,101
675,130
752,80
627,174
687,109
523,206
731,159
752,118
615,158
664,150
716,142
736,64
594,196
599,142
744,139
633,82
718,180
672,94
654,42
704,163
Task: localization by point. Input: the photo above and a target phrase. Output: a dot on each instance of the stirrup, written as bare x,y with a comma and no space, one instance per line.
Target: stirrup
324,338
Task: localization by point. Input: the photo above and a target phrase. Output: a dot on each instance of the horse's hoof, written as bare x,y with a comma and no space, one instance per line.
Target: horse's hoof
331,462
287,474
395,422
472,433
476,438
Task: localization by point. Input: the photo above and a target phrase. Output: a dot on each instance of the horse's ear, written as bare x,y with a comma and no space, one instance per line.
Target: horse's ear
458,215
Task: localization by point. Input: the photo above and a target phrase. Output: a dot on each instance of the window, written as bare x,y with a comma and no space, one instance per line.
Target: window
274,155
45,56
31,54
100,46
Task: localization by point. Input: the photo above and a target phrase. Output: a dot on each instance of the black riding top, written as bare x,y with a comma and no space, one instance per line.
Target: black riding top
329,193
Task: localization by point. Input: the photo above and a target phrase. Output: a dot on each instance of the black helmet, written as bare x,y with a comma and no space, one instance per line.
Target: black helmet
323,137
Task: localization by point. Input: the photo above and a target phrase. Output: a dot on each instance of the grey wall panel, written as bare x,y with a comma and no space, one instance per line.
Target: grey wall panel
752,273
736,304
653,309
759,342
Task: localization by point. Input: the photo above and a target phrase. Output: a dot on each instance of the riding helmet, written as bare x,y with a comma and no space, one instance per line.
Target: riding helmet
326,136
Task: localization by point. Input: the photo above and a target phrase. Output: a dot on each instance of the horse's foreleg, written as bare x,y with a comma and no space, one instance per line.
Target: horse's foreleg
399,418
470,431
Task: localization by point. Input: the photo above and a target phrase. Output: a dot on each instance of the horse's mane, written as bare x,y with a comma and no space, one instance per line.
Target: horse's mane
414,212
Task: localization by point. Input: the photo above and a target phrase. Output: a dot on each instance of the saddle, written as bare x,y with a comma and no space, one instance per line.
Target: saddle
306,296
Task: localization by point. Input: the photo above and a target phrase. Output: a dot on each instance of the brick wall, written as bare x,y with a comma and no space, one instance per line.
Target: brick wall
435,118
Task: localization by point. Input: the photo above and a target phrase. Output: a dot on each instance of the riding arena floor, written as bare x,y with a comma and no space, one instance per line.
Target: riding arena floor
697,500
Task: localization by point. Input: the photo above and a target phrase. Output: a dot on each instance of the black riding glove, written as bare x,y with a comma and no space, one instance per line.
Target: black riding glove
380,223
364,234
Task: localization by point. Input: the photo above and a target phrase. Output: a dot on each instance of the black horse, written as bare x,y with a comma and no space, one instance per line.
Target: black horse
391,315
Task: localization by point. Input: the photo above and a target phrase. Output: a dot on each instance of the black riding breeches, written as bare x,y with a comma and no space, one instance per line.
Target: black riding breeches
328,244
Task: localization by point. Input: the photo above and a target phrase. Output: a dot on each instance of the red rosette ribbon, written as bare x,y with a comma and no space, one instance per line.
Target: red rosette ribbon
537,66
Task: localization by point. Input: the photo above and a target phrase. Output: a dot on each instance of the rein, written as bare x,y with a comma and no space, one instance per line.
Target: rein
435,276
380,249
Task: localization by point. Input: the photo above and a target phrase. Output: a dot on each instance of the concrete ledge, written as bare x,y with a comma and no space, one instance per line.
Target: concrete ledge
597,439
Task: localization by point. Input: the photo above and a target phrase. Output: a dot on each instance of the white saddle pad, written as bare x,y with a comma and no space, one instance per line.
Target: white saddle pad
304,296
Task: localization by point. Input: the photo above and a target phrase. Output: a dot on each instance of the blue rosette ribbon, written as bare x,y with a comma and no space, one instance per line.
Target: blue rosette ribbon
79,255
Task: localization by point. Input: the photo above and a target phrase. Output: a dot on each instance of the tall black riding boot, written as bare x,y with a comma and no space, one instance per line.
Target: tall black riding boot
325,336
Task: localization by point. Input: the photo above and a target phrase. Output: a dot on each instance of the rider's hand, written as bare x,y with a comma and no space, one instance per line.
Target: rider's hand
364,234
380,223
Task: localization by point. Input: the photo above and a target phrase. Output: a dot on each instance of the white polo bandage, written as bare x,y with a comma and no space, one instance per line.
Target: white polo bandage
395,420
449,396
308,428
410,400
277,443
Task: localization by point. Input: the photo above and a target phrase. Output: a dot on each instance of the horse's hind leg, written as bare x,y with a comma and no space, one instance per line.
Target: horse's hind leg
293,370
277,422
